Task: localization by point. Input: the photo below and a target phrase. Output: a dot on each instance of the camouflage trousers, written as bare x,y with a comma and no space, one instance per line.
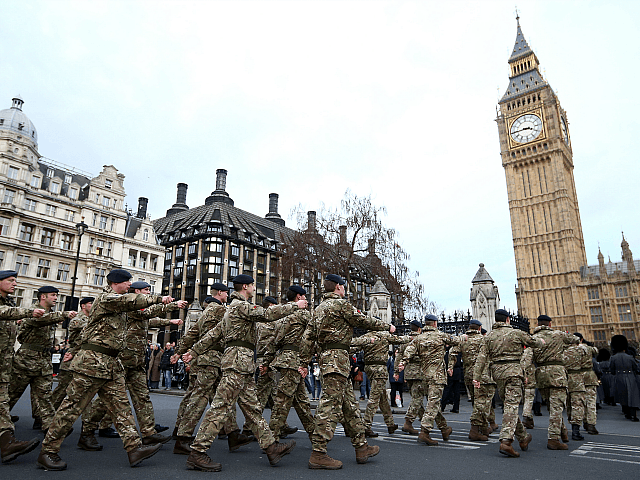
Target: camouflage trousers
468,383
557,397
576,411
377,398
98,411
416,409
510,390
64,379
233,387
527,407
40,389
6,425
79,393
337,398
433,392
204,389
186,399
291,392
591,399
483,412
265,387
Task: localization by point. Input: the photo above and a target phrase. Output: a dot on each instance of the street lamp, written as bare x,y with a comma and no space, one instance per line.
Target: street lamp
81,228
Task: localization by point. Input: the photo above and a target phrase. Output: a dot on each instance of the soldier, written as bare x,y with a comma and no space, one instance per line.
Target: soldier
238,328
429,347
483,398
32,362
529,388
376,352
414,378
290,390
10,447
503,347
332,329
551,377
97,369
577,361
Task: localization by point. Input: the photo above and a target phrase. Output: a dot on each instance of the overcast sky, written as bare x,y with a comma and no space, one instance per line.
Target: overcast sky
307,99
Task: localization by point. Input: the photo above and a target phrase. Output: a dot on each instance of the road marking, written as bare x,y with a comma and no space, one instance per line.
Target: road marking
609,452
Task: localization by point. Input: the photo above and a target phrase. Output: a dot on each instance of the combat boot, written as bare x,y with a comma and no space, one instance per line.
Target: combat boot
507,449
494,427
237,440
369,433
108,433
322,461
408,428
575,433
366,451
564,433
485,430
476,436
50,461
524,444
276,451
88,442
11,448
141,453
527,422
392,428
591,429
201,461
446,431
424,437
554,444
287,430
156,438
183,446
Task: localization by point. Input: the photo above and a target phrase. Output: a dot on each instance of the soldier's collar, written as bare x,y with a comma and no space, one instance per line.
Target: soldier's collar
331,295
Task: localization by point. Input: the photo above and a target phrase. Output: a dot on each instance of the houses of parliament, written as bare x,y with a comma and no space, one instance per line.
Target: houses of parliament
553,275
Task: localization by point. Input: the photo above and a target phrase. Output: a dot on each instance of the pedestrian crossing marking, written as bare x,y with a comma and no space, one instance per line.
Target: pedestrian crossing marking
609,452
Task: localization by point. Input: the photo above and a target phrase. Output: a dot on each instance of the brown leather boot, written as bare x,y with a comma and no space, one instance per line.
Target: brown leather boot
88,442
156,438
507,449
365,451
174,435
201,461
50,461
276,451
494,427
524,444
475,435
446,431
564,433
392,428
237,440
11,448
369,433
485,430
591,429
424,437
527,422
322,461
183,446
556,445
408,428
141,453
287,430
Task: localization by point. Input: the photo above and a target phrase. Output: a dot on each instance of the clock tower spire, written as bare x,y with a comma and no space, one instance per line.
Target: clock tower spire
545,220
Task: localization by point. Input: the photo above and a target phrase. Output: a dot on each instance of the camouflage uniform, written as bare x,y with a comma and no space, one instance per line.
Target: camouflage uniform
577,361
8,313
238,328
376,354
97,369
550,376
429,347
529,384
32,362
291,390
188,339
64,377
331,328
414,378
503,347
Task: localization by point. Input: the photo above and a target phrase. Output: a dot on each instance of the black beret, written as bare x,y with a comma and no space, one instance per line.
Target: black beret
473,321
86,300
544,318
7,273
220,286
298,290
483,331
332,277
243,279
118,275
271,300
48,289
140,285
430,318
579,335
503,312
416,323
208,300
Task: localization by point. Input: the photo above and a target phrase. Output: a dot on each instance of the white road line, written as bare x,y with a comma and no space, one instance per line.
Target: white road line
609,452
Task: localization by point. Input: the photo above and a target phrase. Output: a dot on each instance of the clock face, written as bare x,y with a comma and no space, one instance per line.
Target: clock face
565,132
526,128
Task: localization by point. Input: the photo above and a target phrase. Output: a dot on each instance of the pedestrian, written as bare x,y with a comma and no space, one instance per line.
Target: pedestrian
396,385
451,393
55,360
166,367
317,378
154,366
624,369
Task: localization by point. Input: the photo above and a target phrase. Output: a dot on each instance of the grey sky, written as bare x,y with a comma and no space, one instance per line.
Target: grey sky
307,99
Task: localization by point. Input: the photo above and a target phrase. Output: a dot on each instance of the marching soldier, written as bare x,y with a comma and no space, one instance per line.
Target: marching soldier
414,378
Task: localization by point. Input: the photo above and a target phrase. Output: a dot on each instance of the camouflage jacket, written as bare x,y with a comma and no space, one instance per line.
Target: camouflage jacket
469,350
503,347
376,353
210,318
331,328
138,323
430,348
287,341
75,335
36,336
8,332
412,369
529,368
107,328
548,358
266,336
577,361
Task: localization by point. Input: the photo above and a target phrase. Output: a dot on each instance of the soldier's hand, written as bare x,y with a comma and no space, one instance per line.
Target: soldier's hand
182,303
167,299
38,312
392,328
67,356
187,357
263,369
174,358
303,371
302,303
476,383
396,377
176,321
401,367
71,314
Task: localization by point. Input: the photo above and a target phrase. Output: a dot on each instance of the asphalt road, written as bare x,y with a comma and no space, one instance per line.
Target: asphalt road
615,453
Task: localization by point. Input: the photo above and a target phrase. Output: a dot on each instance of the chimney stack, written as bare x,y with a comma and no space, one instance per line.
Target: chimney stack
311,221
219,194
273,214
343,234
142,207
181,200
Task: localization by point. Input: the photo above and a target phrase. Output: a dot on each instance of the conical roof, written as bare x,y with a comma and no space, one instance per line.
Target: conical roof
482,275
379,288
521,47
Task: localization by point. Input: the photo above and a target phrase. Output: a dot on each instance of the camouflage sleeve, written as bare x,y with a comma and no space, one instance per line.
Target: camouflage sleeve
189,339
128,302
47,319
399,358
360,341
526,359
453,355
570,339
309,339
592,350
355,318
409,352
453,340
481,361
212,337
256,313
531,341
159,309
159,322
15,313
399,340
274,346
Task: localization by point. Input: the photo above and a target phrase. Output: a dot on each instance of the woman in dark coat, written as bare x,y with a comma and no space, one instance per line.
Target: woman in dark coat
624,369
606,381
154,366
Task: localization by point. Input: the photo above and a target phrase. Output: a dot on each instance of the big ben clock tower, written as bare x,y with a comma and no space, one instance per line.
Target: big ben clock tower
535,146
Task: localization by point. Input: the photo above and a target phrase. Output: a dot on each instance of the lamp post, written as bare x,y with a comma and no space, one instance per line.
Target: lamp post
81,228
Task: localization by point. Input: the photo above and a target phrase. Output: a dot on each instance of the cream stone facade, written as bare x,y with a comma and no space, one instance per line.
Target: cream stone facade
484,297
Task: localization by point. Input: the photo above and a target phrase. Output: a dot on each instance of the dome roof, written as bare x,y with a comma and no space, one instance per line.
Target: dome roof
14,119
